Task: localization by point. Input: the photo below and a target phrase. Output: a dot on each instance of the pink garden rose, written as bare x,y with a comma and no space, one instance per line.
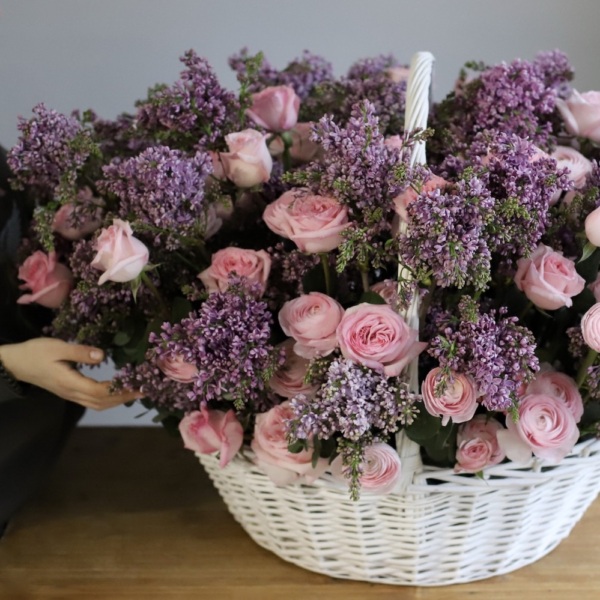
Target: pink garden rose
312,319
121,256
178,369
590,327
207,431
271,450
254,266
376,336
579,166
313,223
592,227
48,280
288,380
581,114
458,401
382,468
477,445
545,427
248,161
64,226
275,108
409,195
561,386
548,279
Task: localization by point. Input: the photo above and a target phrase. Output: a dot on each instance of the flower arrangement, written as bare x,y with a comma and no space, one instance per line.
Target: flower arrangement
238,255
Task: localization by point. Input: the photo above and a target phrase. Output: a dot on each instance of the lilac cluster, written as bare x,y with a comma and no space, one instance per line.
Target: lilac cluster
288,269
228,340
497,352
593,382
577,346
161,190
351,402
194,112
447,238
118,137
51,150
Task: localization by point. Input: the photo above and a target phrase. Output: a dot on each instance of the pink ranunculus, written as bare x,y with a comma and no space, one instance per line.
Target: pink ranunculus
545,427
388,290
121,256
590,327
48,280
275,108
288,380
254,266
592,227
312,319
477,445
409,195
313,223
376,336
581,114
548,279
458,401
559,385
270,447
207,431
63,223
248,161
579,166
381,466
178,369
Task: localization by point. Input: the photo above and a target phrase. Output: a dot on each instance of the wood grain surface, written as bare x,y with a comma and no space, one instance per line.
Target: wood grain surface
128,514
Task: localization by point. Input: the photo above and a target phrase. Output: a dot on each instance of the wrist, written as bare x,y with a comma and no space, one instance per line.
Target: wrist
7,376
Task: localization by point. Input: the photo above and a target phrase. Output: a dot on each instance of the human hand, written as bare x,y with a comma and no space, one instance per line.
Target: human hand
48,364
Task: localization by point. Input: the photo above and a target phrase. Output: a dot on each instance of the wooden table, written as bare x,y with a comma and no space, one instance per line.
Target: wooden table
128,514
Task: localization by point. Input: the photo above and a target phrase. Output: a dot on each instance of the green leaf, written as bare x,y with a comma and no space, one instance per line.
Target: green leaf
297,446
371,298
424,427
588,250
121,338
588,268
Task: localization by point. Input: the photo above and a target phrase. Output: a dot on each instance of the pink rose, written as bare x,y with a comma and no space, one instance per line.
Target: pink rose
64,225
248,161
478,446
210,221
288,380
313,223
579,166
409,195
177,368
545,427
271,449
121,256
303,149
458,401
590,327
388,290
254,266
312,319
381,469
207,431
275,108
398,74
592,227
561,386
548,279
376,336
581,113
594,287
48,280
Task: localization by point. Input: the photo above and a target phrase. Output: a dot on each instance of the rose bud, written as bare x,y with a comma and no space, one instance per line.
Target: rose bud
275,108
248,161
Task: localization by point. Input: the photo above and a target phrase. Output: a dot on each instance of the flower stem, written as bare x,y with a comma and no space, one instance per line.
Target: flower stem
150,285
327,273
364,276
587,362
525,311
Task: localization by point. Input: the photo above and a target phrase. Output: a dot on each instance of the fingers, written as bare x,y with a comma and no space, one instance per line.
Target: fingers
79,353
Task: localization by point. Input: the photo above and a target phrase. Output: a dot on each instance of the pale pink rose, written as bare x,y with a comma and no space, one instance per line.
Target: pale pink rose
581,114
210,221
592,227
590,327
313,223
594,287
217,165
253,265
579,166
388,290
288,380
248,161
207,431
270,447
303,149
376,336
121,256
312,319
561,386
178,369
398,74
63,223
381,466
458,401
477,445
409,195
48,280
545,427
275,108
548,279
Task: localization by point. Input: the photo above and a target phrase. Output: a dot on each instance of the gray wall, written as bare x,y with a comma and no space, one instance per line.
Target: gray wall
104,54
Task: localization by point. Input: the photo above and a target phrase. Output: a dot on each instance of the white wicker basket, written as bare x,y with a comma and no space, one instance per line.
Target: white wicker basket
442,527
